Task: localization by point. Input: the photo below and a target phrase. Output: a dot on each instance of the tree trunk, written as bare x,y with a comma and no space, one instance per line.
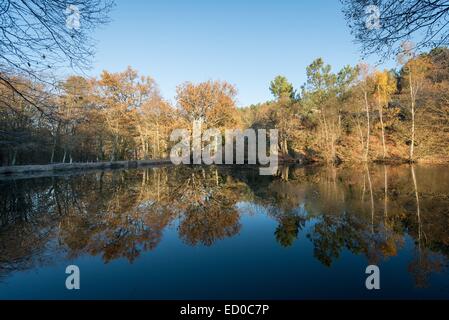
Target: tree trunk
284,147
157,141
386,192
412,100
362,139
368,126
383,129
143,143
14,157
53,153
55,139
326,137
412,143
114,148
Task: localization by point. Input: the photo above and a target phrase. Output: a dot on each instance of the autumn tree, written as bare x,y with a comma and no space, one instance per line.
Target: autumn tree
154,120
434,109
385,86
212,103
38,37
284,112
73,107
414,73
364,80
321,96
120,96
24,132
316,94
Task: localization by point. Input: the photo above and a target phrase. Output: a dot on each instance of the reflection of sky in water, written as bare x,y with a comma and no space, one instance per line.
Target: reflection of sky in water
249,264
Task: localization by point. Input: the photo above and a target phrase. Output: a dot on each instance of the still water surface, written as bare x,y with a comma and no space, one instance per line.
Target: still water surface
210,233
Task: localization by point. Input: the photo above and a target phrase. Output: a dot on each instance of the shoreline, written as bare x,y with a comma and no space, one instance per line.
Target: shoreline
30,170
56,169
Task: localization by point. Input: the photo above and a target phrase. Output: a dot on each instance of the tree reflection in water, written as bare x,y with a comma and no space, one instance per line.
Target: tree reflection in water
121,214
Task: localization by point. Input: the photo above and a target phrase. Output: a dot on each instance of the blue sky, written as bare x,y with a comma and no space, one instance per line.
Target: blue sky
245,42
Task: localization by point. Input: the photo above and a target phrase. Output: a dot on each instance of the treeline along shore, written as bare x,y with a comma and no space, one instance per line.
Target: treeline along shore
356,114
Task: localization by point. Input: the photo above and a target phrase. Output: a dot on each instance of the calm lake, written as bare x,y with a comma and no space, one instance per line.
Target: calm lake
227,233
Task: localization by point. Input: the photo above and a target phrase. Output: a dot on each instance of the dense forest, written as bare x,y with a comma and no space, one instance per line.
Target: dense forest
358,113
